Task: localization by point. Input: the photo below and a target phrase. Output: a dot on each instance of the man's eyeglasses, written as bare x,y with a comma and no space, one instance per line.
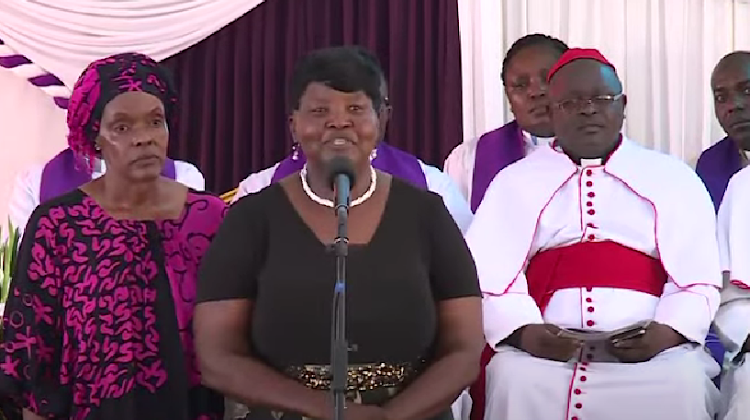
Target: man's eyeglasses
601,101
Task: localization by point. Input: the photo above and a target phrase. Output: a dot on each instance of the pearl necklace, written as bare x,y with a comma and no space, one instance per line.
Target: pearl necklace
328,203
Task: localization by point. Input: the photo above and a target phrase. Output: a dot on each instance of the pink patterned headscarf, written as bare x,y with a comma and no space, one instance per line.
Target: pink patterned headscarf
101,82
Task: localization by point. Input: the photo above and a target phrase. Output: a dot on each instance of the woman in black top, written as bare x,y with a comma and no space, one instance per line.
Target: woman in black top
263,324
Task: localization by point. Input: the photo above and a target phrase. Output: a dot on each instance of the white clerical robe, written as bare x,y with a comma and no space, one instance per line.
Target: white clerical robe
459,165
24,197
641,199
437,182
733,319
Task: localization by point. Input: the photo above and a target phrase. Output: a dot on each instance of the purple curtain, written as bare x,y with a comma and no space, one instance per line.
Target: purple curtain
232,117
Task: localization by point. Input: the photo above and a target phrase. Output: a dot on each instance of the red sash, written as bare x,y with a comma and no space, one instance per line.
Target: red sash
593,264
585,264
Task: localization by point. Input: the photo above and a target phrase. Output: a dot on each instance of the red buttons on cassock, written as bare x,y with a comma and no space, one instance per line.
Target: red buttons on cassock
590,309
589,184
589,300
591,212
590,323
589,204
574,418
579,406
592,237
589,172
591,194
582,379
577,391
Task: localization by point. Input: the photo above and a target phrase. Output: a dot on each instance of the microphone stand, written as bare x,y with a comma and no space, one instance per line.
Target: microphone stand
339,344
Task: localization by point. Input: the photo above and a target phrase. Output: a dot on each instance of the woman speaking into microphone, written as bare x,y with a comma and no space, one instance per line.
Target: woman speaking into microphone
263,324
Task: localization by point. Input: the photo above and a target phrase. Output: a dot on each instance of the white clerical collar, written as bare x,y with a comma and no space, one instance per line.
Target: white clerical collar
584,162
99,167
534,141
590,162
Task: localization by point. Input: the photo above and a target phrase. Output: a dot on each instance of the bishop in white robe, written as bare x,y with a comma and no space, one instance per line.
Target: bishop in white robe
595,233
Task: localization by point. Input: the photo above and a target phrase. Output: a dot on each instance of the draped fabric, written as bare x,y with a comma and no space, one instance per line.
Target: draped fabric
64,36
232,116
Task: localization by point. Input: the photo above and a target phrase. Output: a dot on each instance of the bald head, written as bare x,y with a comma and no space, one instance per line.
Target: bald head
734,62
730,83
734,58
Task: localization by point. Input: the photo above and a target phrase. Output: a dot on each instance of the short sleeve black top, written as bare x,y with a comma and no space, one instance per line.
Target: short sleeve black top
265,252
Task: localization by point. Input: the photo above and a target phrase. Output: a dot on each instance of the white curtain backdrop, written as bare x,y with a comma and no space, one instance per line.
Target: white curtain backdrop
64,36
32,130
664,51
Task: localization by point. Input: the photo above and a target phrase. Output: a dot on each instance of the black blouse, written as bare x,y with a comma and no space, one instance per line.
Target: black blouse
264,251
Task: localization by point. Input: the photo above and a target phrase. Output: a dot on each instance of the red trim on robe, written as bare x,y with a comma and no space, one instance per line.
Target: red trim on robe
478,389
584,264
740,284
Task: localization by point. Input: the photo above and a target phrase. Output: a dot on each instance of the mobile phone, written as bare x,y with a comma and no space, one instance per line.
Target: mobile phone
635,332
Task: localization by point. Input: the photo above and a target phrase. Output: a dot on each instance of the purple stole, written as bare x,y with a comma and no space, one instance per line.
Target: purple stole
716,166
66,172
389,159
495,150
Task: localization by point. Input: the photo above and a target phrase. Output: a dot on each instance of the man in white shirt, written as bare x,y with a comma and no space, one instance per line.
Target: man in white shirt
32,186
386,158
730,84
733,319
587,235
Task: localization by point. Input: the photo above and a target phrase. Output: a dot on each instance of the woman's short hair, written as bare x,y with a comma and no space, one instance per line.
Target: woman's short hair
344,69
531,40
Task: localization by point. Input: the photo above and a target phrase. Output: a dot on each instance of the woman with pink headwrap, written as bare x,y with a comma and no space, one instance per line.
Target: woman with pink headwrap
98,320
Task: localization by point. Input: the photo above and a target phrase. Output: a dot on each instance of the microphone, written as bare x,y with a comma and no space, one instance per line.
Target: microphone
341,178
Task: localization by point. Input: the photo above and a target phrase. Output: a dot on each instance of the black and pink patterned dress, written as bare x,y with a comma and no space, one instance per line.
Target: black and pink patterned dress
98,324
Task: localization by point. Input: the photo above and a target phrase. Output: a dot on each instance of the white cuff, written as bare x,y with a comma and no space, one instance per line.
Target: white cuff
689,312
733,324
507,313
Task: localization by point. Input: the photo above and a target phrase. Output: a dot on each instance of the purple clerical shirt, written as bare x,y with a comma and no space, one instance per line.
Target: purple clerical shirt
716,166
495,150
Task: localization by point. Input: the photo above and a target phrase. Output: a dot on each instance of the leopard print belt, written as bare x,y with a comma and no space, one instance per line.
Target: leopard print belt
364,377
